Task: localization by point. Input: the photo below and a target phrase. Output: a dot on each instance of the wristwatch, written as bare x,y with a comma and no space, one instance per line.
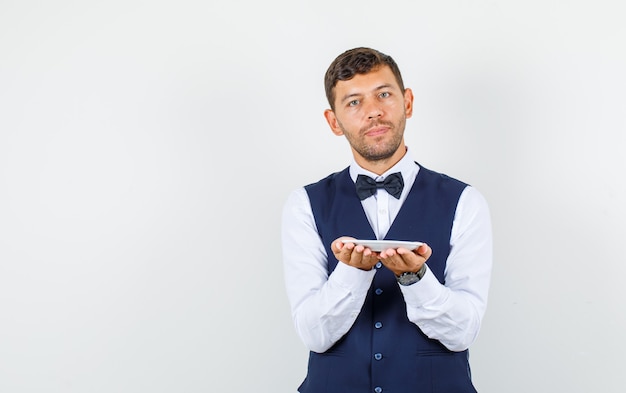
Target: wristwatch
408,278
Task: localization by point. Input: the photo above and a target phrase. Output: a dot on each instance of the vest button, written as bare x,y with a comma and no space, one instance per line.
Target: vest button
379,291
378,389
379,265
378,325
378,356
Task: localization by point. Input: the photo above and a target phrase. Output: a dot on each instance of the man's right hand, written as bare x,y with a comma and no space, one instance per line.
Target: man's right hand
354,255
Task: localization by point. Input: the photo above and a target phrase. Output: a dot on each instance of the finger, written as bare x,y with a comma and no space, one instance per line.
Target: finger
368,259
363,257
391,258
388,253
337,246
339,243
346,253
356,257
424,250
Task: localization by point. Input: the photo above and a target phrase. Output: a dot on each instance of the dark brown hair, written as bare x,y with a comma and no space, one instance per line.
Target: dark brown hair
356,61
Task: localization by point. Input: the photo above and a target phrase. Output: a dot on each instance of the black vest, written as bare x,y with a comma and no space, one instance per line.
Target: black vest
384,351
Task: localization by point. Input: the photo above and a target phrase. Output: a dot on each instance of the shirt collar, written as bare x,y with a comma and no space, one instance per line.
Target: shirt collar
406,166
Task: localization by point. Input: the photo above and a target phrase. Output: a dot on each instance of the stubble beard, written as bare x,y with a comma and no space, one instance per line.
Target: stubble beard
381,150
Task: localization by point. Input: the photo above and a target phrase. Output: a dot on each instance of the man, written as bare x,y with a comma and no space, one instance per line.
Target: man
397,320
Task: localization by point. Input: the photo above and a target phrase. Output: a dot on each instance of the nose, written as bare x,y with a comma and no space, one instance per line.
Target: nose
374,110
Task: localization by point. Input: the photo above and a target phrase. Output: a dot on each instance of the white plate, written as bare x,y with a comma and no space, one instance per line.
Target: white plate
381,245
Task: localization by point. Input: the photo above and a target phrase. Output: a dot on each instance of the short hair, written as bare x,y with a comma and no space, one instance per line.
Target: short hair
357,61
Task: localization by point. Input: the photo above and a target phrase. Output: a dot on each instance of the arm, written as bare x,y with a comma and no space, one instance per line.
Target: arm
452,313
323,306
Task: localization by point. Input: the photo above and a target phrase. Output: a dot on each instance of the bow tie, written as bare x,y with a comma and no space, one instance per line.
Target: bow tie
366,186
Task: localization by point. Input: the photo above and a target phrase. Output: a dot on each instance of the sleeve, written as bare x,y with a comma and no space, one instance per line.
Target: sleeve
452,313
323,307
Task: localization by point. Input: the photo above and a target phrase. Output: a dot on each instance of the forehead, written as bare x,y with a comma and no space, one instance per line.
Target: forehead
381,77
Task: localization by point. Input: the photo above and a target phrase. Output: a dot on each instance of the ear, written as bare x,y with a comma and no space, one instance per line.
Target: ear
332,121
408,102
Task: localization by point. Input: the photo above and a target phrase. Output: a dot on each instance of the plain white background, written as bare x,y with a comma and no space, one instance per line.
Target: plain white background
147,148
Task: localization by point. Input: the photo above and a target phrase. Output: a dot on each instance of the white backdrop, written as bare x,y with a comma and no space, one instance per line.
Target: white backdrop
147,148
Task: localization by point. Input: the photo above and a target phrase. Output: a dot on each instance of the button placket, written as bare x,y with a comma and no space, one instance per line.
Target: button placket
382,215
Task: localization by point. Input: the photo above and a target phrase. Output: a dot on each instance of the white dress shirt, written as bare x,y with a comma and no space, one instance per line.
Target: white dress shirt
324,306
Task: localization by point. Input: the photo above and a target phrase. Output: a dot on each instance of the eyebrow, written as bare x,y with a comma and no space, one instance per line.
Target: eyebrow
381,87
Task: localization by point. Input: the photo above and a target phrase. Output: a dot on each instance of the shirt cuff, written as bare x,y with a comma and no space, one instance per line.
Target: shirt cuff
426,291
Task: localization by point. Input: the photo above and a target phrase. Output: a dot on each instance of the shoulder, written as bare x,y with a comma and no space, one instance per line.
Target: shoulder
439,183
327,182
299,200
440,177
472,202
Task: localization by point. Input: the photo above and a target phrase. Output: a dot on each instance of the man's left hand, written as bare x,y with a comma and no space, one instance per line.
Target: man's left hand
402,260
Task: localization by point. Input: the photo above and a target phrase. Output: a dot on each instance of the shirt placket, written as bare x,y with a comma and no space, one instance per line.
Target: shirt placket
382,211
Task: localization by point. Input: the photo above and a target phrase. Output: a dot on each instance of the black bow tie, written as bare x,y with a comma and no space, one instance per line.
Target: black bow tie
366,186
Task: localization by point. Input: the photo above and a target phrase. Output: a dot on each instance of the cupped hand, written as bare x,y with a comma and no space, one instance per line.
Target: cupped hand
402,260
354,255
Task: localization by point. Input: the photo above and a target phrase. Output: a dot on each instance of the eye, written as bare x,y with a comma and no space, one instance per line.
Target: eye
384,94
354,103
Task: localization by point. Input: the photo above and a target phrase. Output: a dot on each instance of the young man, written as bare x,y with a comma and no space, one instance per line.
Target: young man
397,320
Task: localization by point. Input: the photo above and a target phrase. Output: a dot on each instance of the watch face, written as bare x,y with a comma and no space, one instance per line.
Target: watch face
408,278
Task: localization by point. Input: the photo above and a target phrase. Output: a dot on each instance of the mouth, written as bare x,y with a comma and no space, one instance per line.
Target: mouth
377,130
